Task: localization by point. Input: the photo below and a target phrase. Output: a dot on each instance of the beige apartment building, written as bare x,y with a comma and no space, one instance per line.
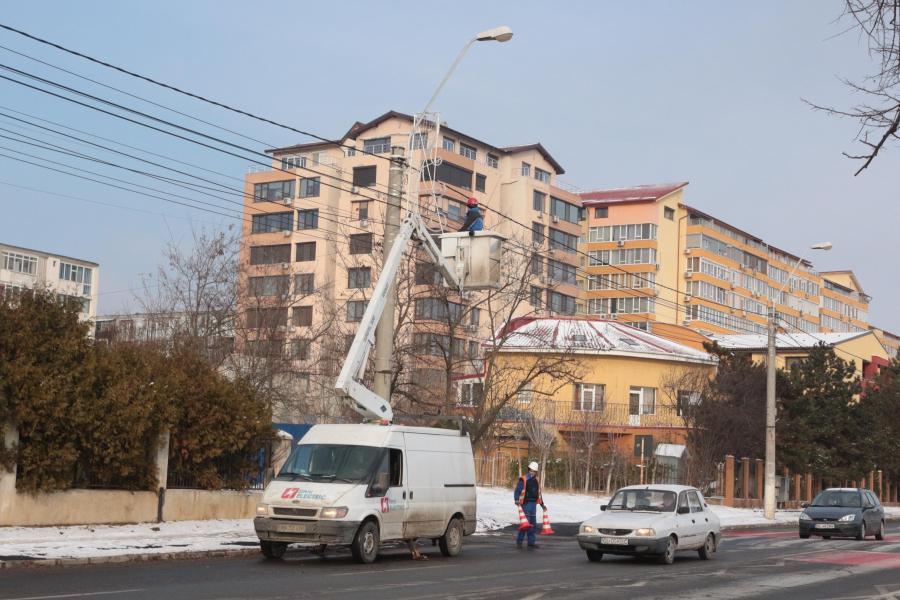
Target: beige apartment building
314,223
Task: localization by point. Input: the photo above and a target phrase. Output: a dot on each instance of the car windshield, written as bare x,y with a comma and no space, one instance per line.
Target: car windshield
330,462
842,499
656,500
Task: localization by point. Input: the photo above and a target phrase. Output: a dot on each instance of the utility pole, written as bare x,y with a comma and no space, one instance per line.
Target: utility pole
384,333
769,493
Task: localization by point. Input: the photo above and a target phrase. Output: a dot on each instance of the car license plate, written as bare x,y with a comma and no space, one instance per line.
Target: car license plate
614,541
824,526
291,528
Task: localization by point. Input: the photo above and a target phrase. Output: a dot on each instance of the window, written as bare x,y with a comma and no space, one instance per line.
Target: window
300,349
303,381
456,211
449,144
619,281
305,283
623,256
427,274
21,263
589,397
309,188
420,141
361,243
534,298
615,233
526,170
448,173
437,309
541,175
563,210
361,210
308,219
525,394
473,349
687,400
359,277
306,252
377,146
433,344
272,285
669,213
561,240
293,162
467,151
270,255
67,272
273,222
273,191
469,393
536,266
642,401
537,201
694,502
302,316
493,161
561,272
628,305
560,303
537,233
356,309
364,176
792,361
702,289
480,182
474,316
601,212
264,318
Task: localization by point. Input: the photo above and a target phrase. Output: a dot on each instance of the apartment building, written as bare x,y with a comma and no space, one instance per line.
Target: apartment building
652,258
890,341
22,268
314,227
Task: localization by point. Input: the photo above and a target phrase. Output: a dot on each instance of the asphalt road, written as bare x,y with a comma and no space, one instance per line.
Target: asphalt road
767,563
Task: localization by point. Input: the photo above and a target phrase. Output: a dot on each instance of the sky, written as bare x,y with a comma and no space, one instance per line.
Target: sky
620,93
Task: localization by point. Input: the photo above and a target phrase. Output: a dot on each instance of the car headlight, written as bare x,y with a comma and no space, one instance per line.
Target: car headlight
646,532
262,509
850,517
334,513
805,517
587,529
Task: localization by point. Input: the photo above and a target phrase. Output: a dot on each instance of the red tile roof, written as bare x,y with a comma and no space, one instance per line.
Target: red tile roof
638,193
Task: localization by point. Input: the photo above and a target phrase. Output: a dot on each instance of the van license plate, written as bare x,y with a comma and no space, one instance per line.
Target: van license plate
614,541
291,528
824,526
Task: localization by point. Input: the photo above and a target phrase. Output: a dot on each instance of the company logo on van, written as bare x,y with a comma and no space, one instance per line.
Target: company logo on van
301,494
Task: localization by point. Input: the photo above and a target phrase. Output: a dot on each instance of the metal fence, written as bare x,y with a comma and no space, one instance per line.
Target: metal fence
255,476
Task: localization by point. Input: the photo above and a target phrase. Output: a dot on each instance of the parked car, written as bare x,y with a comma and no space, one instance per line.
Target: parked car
652,520
843,512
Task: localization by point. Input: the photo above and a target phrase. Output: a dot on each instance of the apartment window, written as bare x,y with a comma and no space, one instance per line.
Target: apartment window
377,146
538,201
526,170
300,349
541,175
359,277
308,219
420,141
537,233
361,210
437,309
589,397
434,344
493,161
273,222
361,243
449,144
303,382
265,318
270,255
640,231
21,263
480,182
448,173
601,212
669,213
306,251
537,265
686,401
456,211
273,191
642,401
356,309
302,316
364,176
474,316
563,210
309,188
427,274
469,393
560,303
561,272
272,285
563,241
473,349
534,298
622,256
293,162
628,305
67,272
305,284
467,151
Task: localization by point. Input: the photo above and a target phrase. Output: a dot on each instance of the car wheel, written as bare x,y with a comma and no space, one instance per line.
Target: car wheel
707,549
862,532
668,557
272,549
451,541
879,535
826,537
594,555
804,536
365,545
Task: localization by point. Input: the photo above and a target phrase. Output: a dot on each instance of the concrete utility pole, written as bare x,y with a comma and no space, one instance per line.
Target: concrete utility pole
384,333
769,492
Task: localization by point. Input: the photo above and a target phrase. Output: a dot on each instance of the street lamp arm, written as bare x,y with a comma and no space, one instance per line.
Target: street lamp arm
449,73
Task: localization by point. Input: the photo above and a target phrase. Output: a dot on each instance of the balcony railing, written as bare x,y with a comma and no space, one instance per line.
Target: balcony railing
298,162
551,180
571,415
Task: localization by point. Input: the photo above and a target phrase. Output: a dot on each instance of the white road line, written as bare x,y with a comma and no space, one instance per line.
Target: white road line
77,595
887,547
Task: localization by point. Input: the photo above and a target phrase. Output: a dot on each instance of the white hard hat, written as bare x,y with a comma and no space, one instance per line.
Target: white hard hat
533,466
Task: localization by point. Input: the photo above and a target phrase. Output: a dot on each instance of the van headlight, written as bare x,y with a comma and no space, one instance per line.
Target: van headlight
262,509
334,513
850,517
587,529
646,532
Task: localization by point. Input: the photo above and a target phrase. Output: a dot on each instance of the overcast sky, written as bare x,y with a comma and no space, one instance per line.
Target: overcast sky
620,93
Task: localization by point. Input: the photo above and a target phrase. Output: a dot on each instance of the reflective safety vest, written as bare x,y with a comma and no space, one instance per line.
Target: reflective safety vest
525,482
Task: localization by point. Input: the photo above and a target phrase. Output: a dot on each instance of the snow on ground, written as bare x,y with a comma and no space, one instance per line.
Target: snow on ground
496,509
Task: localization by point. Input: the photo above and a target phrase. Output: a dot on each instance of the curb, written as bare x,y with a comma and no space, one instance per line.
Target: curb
125,558
782,524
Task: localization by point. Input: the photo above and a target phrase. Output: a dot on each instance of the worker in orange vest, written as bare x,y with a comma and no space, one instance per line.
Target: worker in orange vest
528,496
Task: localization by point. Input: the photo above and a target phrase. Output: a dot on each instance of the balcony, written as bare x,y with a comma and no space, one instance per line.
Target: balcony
550,180
299,162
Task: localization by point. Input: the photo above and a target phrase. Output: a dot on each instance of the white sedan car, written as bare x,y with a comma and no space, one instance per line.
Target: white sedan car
644,520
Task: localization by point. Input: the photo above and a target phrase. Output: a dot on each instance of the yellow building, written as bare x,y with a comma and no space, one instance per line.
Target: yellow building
890,341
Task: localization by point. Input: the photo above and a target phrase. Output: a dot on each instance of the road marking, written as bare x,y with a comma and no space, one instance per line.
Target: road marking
534,596
390,570
78,595
856,557
636,584
888,547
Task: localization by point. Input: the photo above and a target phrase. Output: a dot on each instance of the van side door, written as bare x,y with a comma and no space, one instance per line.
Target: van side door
391,502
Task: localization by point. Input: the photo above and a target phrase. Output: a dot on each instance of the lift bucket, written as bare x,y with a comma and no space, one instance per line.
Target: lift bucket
476,258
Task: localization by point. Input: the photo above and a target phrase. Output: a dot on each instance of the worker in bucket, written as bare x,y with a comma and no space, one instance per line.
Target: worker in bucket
528,496
474,220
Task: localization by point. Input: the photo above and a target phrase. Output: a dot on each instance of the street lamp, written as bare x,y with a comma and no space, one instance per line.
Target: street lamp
769,495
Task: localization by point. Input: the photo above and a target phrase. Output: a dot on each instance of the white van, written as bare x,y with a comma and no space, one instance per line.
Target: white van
360,485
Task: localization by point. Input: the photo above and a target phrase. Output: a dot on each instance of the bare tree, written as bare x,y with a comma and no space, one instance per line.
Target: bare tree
541,428
589,434
878,114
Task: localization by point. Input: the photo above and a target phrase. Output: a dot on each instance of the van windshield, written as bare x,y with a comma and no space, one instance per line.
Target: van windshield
330,462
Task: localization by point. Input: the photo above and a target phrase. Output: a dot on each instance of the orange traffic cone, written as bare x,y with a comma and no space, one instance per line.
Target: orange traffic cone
546,529
523,520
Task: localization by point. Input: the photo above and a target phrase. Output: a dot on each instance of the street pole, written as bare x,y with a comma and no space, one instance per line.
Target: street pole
384,332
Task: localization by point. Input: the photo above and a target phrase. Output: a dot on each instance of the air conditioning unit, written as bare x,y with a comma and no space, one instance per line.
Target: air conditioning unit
551,251
688,274
620,243
363,223
540,215
285,265
605,317
731,308
614,317
288,201
555,219
281,329
467,296
657,266
686,323
552,314
687,250
807,296
656,292
732,286
755,271
802,312
542,279
292,329
286,233
743,313
354,189
687,298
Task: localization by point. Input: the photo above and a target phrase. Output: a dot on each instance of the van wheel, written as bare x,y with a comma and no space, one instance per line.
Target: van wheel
594,555
451,541
879,535
365,545
668,557
272,549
